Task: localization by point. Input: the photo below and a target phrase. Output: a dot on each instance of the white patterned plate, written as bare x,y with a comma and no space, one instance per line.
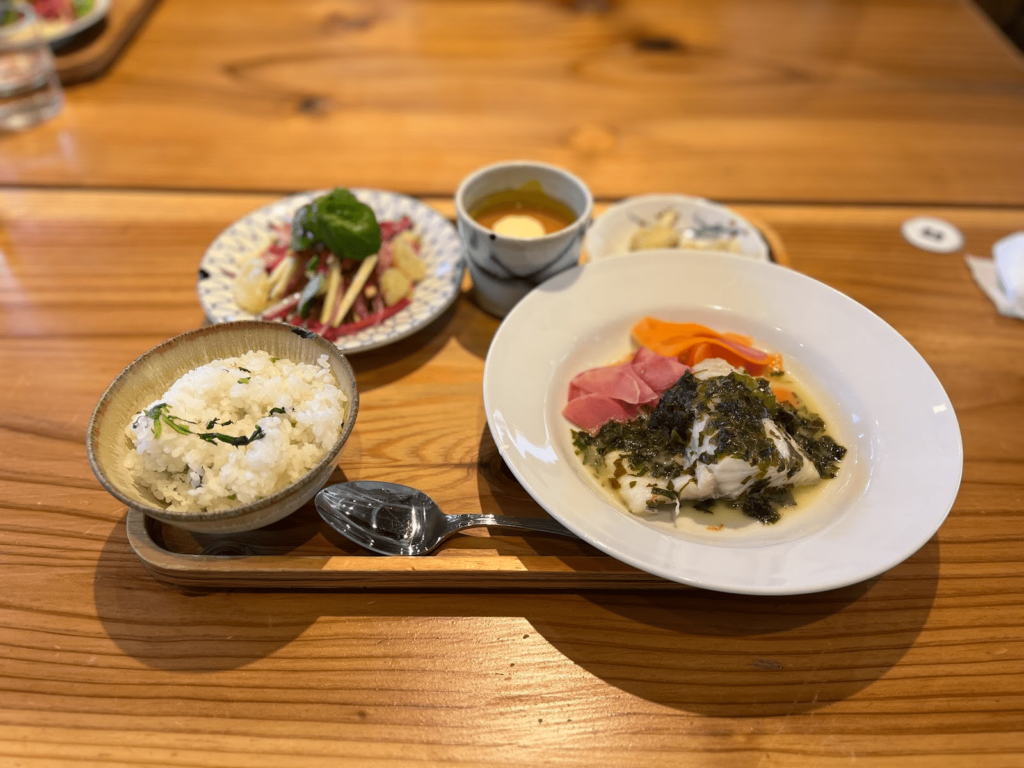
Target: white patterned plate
715,227
442,252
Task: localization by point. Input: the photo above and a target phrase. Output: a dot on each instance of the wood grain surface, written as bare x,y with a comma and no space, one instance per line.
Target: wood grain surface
918,101
829,122
100,664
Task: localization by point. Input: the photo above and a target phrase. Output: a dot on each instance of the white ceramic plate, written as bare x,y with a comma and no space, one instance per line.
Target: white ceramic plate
57,32
611,232
442,252
878,396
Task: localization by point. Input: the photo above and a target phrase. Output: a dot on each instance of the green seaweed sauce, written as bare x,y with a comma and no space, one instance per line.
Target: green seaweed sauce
731,410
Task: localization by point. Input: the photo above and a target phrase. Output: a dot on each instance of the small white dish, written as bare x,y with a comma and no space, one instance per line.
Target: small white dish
878,396
442,253
709,226
58,32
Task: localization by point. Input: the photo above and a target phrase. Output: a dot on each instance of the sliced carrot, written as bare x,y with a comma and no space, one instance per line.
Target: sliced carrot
652,327
706,350
784,395
745,340
699,352
666,332
692,342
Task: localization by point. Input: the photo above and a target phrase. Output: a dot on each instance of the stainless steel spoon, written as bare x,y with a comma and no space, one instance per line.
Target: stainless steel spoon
398,520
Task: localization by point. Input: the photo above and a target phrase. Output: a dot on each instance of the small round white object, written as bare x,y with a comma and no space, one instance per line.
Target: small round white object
517,225
930,234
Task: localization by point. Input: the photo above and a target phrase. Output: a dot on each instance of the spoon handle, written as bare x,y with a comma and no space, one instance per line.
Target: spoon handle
523,523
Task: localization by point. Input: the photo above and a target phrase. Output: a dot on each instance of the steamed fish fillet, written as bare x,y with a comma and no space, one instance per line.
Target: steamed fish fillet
725,479
729,477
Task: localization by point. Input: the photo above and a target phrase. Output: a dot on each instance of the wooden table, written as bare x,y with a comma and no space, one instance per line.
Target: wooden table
830,122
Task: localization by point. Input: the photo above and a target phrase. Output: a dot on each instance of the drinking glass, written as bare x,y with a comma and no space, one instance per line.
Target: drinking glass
29,89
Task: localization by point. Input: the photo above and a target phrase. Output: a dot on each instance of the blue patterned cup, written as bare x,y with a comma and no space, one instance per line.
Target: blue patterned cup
504,269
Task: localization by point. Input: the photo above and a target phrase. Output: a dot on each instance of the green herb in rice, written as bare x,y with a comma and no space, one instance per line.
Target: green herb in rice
187,459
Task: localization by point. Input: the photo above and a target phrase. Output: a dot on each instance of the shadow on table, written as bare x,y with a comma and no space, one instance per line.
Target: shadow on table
189,631
463,321
692,650
380,367
735,656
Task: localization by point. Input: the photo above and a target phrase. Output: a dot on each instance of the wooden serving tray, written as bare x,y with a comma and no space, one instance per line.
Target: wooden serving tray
776,247
303,552
90,53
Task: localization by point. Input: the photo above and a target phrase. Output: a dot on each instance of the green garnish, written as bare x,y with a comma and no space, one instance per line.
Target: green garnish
244,369
175,423
156,414
762,502
731,410
339,222
156,410
257,434
159,414
274,359
244,381
276,410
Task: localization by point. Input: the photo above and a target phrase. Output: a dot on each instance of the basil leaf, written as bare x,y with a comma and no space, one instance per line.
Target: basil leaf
349,231
302,227
337,220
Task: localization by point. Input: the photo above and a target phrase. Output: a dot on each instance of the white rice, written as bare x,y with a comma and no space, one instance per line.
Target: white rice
194,474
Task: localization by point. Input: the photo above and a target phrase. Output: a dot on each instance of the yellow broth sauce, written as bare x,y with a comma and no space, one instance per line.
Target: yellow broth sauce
526,211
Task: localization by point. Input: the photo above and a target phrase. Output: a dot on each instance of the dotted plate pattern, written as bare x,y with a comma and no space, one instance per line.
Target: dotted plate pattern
250,235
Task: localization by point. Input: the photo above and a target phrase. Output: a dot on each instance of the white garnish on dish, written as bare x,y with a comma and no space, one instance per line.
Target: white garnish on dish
661,233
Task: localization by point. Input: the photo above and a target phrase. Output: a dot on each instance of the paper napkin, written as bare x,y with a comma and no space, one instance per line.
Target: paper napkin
1002,276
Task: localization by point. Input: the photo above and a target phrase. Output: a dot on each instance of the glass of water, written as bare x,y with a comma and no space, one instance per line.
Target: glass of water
29,89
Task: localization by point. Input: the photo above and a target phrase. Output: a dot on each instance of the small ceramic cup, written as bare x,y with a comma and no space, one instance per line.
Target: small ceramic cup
504,269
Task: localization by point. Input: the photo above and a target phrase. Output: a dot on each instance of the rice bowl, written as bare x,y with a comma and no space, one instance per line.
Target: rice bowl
145,381
235,430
